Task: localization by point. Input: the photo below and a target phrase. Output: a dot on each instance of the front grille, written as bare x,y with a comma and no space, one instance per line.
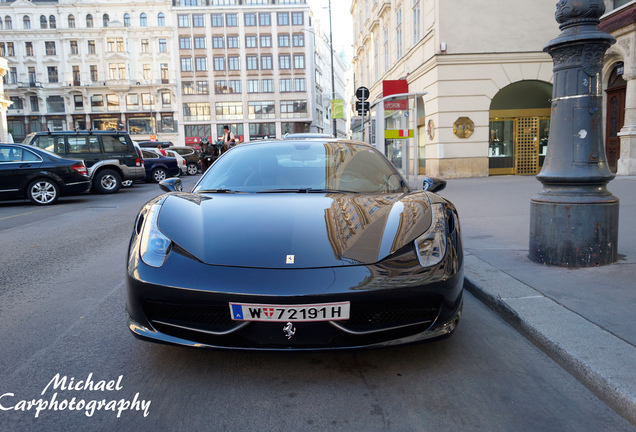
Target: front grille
375,318
210,317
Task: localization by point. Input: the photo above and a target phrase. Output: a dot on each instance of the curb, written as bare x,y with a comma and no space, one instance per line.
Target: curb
601,361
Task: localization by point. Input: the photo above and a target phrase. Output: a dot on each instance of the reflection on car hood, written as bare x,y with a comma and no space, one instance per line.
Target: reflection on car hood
293,230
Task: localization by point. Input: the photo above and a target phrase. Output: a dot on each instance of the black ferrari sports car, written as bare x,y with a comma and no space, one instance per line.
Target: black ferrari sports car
299,244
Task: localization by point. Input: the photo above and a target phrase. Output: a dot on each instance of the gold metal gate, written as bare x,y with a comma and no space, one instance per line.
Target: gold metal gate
527,146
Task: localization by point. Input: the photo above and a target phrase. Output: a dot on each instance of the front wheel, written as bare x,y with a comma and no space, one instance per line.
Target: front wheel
159,174
107,182
193,169
43,192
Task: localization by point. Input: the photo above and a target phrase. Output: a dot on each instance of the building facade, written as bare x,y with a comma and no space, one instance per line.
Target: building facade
73,65
484,95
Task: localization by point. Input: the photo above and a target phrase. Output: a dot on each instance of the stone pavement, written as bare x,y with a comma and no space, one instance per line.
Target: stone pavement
585,319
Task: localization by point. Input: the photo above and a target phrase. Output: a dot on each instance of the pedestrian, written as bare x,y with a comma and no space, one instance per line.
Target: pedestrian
161,150
228,138
205,155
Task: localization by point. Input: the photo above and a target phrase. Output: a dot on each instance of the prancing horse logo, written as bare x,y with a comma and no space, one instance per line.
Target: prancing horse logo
289,330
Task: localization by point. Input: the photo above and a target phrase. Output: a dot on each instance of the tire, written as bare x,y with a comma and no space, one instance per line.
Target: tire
107,182
158,174
127,183
193,169
43,192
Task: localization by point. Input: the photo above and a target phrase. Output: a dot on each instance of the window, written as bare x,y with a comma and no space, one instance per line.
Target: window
253,86
184,43
55,104
386,49
250,19
89,21
220,87
189,2
261,110
97,103
299,61
32,77
78,100
297,18
163,46
29,48
110,44
43,22
122,70
294,127
266,41
71,21
35,103
266,62
11,51
299,40
285,85
284,61
283,18
120,45
250,41
217,42
252,62
143,20
219,63
264,19
161,19
91,47
203,87
292,109
202,130
26,23
234,63
283,40
229,110
299,85
196,111
145,46
13,75
199,42
8,24
17,103
231,20
267,86
146,72
126,20
93,70
50,48
416,21
165,99
232,41
183,20
76,75
118,71
186,64
52,22
234,86
262,130
165,75
105,20
217,20
198,20
187,87
112,102
74,48
201,64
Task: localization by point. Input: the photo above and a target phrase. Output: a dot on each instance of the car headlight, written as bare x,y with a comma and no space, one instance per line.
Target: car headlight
155,246
431,246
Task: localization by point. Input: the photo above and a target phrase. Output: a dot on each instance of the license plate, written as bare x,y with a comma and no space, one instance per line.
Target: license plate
285,313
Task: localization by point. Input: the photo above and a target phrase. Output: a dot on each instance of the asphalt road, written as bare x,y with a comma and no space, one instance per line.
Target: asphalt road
62,297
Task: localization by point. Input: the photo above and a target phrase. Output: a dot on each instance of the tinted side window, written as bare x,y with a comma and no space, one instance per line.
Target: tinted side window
83,144
52,143
114,144
149,155
30,157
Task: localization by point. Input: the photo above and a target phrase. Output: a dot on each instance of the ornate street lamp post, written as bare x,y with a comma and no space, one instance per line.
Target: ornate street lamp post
574,219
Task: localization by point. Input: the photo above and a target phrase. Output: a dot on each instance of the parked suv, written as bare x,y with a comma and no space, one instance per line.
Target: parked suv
191,157
109,156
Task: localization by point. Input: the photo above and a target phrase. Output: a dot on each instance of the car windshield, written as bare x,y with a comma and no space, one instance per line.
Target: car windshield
316,166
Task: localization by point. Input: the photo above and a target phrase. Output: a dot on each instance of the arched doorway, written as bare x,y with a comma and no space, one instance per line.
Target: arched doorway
519,128
616,91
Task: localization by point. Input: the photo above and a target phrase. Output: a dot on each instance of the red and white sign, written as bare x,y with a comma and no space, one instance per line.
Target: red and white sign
391,87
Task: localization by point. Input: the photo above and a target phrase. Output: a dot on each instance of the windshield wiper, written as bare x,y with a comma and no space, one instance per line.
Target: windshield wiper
305,190
217,191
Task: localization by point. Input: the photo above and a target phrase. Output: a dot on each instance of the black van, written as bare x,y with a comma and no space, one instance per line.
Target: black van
109,156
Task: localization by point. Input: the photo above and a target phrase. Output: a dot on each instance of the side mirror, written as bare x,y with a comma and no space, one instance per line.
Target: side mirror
434,184
171,185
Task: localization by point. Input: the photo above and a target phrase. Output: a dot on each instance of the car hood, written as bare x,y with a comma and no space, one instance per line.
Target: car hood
293,230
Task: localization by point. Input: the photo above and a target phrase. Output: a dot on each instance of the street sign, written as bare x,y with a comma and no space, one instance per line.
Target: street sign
362,93
362,107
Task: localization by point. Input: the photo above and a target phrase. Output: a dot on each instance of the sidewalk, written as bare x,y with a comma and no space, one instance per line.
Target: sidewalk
583,318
